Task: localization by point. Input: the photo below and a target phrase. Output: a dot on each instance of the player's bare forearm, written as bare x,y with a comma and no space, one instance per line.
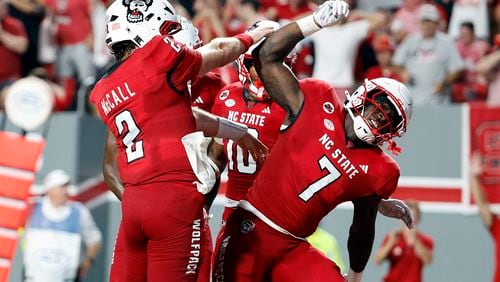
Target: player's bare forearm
278,79
110,167
215,126
362,232
217,155
219,52
206,122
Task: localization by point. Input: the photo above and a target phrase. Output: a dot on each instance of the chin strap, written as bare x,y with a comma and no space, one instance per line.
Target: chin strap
394,148
257,92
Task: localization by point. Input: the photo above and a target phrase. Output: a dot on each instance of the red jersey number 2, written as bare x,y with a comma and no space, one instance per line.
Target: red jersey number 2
333,174
125,123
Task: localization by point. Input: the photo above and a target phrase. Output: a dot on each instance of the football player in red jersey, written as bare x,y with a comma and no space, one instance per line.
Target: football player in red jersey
328,154
246,102
144,102
206,86
203,90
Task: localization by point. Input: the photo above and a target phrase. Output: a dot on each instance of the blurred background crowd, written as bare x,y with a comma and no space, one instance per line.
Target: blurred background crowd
445,51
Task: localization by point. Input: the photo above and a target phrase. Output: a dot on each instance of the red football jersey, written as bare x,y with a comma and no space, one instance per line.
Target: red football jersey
263,120
145,103
405,265
312,169
204,90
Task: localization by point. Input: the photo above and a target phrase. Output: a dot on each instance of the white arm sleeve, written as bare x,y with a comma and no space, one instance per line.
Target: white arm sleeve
90,232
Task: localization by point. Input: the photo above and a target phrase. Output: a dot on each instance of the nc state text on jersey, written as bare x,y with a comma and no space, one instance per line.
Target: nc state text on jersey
341,159
246,118
115,97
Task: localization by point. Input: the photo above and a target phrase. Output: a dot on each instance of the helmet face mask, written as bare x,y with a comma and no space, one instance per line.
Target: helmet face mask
251,80
188,34
170,28
381,110
139,21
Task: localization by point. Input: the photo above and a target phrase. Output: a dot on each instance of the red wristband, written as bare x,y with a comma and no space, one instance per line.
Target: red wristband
245,39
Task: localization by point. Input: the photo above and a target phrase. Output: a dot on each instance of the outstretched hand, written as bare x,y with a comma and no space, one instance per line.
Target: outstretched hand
397,209
330,12
254,146
259,32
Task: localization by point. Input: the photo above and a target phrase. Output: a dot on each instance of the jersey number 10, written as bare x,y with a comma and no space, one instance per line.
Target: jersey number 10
234,152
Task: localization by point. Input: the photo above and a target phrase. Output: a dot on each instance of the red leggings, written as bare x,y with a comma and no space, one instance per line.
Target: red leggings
163,237
249,250
117,271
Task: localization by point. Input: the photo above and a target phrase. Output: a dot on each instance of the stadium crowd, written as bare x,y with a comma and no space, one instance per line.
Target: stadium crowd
445,51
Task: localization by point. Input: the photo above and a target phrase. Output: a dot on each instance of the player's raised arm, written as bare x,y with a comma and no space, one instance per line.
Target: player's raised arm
361,235
223,50
278,79
110,167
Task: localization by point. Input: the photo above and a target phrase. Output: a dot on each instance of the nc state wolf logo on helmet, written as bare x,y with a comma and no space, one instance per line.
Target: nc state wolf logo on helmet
136,9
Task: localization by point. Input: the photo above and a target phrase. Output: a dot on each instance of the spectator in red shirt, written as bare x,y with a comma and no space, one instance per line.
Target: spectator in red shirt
384,49
407,251
72,30
13,43
472,86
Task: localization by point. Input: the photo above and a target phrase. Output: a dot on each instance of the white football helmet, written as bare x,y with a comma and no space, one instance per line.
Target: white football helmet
245,62
188,34
139,21
376,92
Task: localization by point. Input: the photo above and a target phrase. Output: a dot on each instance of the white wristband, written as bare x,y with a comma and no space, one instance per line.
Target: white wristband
230,129
307,25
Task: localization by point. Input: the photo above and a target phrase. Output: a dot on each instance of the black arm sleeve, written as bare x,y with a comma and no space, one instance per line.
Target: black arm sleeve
362,232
